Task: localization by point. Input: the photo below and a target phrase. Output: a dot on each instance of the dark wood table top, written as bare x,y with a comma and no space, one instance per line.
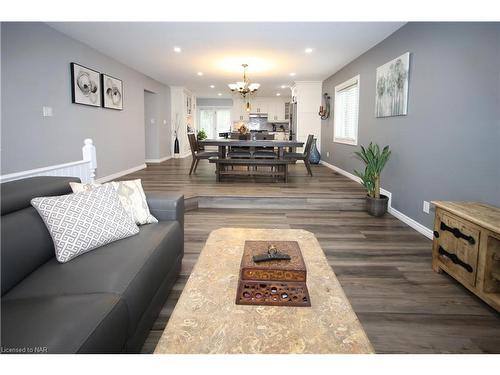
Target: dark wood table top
250,143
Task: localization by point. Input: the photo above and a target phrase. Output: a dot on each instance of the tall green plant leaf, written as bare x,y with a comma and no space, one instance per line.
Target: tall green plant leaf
375,161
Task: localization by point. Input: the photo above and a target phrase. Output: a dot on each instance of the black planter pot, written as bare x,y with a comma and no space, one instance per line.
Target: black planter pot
377,206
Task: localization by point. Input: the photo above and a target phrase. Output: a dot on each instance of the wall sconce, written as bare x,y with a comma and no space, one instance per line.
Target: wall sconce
324,111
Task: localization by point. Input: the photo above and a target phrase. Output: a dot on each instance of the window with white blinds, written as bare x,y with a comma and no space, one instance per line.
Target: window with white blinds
345,127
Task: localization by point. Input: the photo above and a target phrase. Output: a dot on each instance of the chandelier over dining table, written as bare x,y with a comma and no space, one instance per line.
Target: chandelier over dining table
244,87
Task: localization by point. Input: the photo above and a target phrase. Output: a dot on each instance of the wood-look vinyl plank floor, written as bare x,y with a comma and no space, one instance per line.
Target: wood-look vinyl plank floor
383,265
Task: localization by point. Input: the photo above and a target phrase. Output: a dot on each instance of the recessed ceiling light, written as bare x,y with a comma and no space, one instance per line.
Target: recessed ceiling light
308,50
177,49
200,73
278,94
220,94
283,86
212,86
292,74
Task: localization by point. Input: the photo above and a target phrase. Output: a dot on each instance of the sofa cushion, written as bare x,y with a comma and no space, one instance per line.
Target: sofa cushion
88,323
84,221
17,195
25,241
133,268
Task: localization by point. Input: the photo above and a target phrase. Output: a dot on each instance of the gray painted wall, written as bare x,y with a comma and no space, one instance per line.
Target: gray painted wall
36,72
448,146
151,128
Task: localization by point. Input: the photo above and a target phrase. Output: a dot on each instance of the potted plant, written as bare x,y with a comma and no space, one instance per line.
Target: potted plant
375,161
201,135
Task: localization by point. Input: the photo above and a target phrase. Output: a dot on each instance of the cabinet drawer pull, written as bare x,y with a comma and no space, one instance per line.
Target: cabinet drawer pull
455,259
456,232
436,234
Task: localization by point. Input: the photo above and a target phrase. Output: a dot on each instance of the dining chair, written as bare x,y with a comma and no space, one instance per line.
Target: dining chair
197,153
264,152
304,155
239,152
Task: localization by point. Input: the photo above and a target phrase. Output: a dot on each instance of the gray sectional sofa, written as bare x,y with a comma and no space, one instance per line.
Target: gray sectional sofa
104,301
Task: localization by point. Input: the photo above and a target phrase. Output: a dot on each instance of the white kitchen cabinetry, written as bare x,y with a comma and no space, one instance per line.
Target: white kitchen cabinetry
238,111
308,96
275,108
259,105
276,112
182,103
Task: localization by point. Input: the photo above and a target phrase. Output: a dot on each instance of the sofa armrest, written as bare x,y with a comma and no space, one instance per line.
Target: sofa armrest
166,206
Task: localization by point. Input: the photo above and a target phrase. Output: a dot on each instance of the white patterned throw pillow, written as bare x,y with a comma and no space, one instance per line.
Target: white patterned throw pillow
131,195
84,221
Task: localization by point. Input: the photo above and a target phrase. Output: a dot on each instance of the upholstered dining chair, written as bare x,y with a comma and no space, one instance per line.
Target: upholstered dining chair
304,155
264,152
239,152
197,153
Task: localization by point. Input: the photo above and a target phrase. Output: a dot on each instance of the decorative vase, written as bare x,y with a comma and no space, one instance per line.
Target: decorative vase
176,145
377,206
314,156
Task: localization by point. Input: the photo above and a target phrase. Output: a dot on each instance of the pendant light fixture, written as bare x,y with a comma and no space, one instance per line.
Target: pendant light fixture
244,87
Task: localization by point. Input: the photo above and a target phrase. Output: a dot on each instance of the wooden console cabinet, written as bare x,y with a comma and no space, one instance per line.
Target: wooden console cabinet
467,247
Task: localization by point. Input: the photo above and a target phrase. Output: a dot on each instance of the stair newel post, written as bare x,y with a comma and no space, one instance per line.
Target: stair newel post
89,155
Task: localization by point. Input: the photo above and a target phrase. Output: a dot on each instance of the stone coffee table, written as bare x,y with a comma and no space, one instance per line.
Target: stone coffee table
207,320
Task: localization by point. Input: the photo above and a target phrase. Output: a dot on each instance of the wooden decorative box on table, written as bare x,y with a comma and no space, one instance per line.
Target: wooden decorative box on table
272,282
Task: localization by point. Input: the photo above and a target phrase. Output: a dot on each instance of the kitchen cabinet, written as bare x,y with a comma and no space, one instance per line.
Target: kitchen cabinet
182,103
277,112
238,111
307,121
259,105
275,108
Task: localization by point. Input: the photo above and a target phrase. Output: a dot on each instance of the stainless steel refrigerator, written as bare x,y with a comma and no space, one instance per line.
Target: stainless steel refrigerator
293,121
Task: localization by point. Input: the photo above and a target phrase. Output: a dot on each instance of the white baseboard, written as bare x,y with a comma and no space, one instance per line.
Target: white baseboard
158,160
182,156
412,223
341,171
399,215
121,173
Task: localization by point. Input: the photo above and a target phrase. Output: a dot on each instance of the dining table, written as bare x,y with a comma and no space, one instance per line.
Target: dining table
224,143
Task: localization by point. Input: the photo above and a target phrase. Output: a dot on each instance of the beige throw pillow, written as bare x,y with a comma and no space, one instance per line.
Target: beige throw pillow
131,196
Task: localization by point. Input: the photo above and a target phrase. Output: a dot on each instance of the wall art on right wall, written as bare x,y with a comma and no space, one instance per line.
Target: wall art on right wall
392,87
112,92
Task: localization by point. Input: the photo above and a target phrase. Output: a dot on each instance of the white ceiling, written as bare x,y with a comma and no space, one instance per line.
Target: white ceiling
272,50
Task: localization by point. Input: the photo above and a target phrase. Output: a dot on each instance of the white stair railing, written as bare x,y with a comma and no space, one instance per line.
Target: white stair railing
83,169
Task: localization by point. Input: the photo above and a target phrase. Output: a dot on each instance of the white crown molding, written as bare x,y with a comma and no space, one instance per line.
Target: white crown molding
399,215
121,173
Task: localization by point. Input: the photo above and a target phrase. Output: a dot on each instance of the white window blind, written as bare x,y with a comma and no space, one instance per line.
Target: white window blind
346,112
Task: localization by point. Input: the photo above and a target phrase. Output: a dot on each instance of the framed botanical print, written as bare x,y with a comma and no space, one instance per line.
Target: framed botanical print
392,87
85,85
112,92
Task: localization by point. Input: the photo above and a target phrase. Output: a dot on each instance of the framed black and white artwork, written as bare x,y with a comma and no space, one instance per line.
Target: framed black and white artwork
85,85
392,87
112,92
